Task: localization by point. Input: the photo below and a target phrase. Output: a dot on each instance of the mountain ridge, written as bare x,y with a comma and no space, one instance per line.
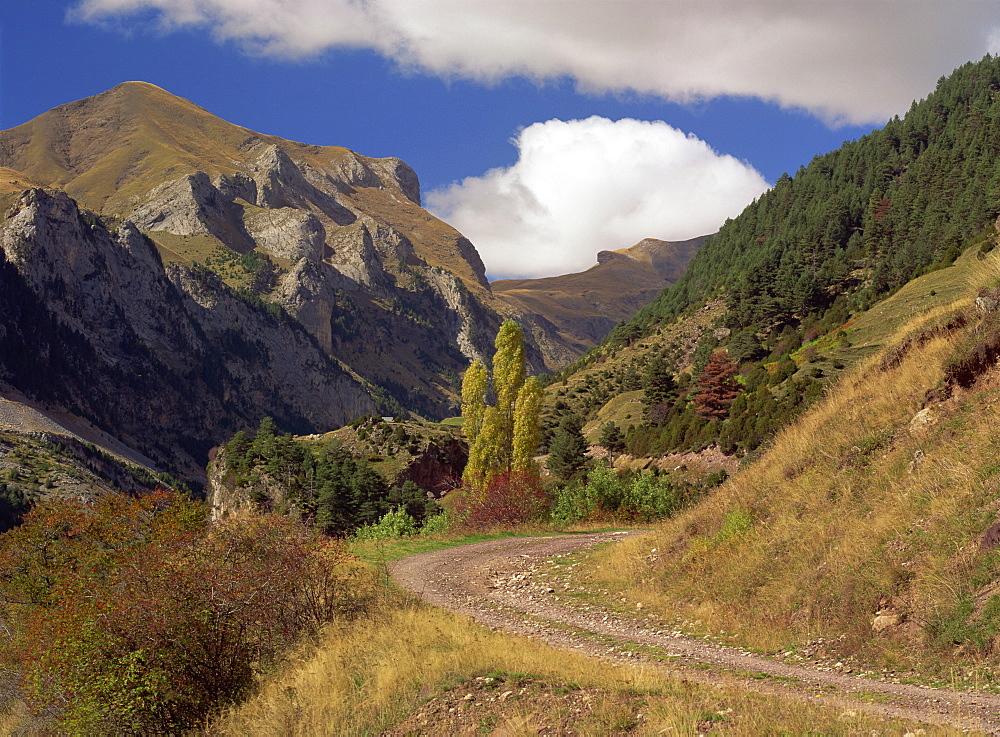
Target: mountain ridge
236,233
586,305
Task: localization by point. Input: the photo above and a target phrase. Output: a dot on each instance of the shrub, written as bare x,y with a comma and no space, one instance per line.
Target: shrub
438,524
508,499
396,523
135,615
642,497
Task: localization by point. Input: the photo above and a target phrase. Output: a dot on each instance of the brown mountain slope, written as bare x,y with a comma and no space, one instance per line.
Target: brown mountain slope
586,305
110,151
200,275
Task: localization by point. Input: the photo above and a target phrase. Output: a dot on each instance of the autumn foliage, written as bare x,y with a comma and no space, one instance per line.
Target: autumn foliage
717,387
507,499
137,615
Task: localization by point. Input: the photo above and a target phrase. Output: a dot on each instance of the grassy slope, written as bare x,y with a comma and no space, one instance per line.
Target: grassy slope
366,679
604,294
837,522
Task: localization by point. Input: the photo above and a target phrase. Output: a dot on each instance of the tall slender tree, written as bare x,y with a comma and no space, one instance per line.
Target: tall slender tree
474,385
502,437
525,439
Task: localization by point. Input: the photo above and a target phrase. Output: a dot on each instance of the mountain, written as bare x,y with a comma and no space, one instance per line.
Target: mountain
776,295
172,277
585,306
329,221
164,358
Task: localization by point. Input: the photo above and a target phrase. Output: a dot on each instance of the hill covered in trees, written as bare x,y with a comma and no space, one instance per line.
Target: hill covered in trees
784,280
858,222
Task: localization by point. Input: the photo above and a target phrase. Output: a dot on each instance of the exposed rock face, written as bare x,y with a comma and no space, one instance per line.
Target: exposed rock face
167,360
146,333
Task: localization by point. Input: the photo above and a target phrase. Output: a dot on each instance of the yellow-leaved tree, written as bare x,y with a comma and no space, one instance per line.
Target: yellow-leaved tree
502,437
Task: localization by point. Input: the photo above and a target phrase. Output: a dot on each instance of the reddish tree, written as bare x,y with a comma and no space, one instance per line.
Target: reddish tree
508,499
717,387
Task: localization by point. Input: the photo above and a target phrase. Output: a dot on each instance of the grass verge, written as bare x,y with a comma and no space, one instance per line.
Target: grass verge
433,673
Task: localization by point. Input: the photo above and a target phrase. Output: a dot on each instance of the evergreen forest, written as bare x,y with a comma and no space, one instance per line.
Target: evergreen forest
792,269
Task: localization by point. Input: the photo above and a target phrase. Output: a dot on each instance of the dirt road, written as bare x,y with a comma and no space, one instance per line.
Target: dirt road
507,585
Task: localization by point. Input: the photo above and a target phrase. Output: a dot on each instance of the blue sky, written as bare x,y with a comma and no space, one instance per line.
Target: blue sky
522,119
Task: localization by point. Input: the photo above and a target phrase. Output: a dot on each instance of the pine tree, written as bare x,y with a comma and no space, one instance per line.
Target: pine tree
658,383
568,450
612,438
717,387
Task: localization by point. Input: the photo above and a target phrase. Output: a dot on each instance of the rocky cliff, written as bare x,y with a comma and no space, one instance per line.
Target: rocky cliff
167,359
173,277
394,294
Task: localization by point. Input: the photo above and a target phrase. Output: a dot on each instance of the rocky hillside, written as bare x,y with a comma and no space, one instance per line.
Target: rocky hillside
172,277
586,306
165,358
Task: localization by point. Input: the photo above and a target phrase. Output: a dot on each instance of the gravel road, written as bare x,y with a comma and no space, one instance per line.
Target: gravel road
507,585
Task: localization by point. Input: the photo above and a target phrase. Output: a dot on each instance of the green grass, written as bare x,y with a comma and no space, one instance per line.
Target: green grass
386,551
937,289
623,410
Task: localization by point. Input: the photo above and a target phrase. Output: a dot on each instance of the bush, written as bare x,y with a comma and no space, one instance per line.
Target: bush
134,615
642,497
438,524
396,523
509,499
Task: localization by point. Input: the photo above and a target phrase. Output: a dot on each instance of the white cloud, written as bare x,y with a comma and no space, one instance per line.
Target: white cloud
858,61
582,186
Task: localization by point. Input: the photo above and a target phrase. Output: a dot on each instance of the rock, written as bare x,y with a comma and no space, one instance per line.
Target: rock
287,233
923,421
986,305
991,538
141,348
884,621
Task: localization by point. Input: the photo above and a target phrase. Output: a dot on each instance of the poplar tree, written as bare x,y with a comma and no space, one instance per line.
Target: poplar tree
526,411
474,385
508,378
502,437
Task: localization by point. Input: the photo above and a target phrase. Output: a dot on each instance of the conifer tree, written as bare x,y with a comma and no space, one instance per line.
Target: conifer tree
717,387
612,438
568,450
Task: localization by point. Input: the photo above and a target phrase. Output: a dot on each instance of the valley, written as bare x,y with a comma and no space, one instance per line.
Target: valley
752,474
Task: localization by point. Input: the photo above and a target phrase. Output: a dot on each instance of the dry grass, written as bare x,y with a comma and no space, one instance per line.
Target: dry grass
364,680
851,511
